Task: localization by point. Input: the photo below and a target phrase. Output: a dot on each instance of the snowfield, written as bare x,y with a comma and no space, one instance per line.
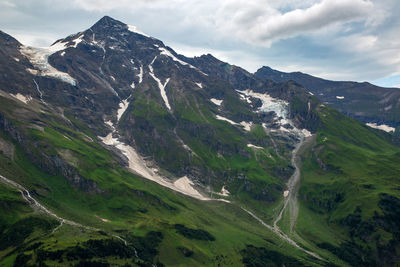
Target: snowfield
135,30
160,85
22,98
39,58
139,166
382,127
216,101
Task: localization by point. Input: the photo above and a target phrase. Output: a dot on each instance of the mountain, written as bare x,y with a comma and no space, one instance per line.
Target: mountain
117,151
362,101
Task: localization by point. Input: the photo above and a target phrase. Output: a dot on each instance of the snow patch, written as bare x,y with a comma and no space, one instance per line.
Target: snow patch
225,119
63,45
339,97
135,30
185,185
199,85
246,125
123,105
216,101
39,58
160,85
310,93
31,71
269,103
109,123
140,75
283,129
22,98
57,47
253,146
77,41
16,59
224,192
166,52
162,90
138,165
245,98
280,108
382,127
306,133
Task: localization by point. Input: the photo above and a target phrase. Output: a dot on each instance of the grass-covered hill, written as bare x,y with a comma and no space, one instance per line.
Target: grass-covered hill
349,197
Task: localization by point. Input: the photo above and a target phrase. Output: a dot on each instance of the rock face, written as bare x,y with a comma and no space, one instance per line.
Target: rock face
52,164
186,116
362,101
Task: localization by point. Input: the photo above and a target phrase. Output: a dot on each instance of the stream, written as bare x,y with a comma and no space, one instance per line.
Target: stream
293,186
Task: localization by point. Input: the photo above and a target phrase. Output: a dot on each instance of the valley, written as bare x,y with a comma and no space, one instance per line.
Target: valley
117,151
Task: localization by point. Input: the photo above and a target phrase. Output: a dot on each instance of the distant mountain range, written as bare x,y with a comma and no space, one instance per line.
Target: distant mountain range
363,101
117,151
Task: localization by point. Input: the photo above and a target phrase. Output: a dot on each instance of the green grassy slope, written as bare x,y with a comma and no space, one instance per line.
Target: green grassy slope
141,212
349,193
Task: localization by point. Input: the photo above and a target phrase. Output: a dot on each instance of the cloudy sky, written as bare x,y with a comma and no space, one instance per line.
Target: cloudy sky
334,39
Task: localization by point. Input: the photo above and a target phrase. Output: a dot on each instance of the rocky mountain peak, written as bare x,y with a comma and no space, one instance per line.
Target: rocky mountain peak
107,24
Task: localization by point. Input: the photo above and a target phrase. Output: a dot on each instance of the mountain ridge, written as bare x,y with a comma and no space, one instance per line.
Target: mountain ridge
93,125
363,101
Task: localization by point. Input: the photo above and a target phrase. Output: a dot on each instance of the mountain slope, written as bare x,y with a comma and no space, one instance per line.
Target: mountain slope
362,101
350,179
94,124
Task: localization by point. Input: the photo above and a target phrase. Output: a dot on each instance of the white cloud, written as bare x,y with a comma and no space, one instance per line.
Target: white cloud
261,24
255,21
39,39
7,4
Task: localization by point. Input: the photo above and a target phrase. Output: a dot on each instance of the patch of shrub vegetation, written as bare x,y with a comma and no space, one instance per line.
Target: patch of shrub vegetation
142,250
324,201
198,234
19,231
390,206
350,252
185,251
358,228
34,246
146,247
96,248
366,247
22,260
260,257
42,255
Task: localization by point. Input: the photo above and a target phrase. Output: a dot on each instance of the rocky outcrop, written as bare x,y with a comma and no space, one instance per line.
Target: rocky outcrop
52,164
7,149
